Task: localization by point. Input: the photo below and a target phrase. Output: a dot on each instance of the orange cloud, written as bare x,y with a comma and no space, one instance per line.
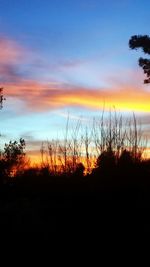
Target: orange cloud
39,96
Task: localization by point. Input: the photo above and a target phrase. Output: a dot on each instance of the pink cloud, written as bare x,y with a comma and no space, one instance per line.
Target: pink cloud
10,52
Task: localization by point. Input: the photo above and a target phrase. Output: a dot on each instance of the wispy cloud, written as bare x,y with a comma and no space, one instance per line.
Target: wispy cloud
40,96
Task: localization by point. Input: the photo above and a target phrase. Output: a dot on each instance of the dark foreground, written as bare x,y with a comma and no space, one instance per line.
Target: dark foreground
75,206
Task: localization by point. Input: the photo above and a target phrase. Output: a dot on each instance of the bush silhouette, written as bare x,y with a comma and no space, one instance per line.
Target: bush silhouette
79,172
106,161
126,159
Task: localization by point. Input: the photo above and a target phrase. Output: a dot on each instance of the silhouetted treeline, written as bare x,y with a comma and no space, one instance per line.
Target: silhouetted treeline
111,153
116,183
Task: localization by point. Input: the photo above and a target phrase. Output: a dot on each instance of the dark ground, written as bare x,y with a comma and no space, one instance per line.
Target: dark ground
74,207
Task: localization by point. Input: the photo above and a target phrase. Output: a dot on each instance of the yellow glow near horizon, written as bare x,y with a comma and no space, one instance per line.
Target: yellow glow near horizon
36,160
50,96
122,100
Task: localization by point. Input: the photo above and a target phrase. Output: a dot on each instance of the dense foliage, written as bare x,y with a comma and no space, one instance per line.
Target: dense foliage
143,42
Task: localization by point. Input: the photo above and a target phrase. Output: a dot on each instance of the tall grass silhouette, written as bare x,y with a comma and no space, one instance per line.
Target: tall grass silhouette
111,134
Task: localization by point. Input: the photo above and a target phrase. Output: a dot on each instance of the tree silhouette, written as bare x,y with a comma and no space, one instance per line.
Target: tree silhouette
14,155
1,97
142,41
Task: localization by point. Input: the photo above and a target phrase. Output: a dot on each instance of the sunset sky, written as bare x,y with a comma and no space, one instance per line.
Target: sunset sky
60,57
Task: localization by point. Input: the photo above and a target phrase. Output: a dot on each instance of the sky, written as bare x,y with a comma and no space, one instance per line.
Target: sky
68,57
